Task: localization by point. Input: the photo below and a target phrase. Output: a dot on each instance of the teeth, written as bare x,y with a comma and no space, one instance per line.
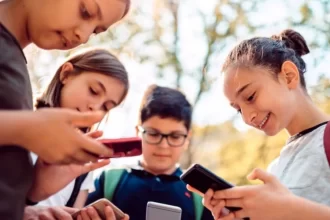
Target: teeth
263,121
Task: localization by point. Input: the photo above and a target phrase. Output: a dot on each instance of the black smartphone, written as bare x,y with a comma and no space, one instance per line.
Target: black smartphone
202,179
124,147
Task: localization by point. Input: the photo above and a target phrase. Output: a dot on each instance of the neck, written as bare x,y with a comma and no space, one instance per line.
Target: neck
13,16
157,172
307,115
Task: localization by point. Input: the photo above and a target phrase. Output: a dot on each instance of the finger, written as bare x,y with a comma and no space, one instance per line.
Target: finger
234,202
92,213
240,214
126,217
231,216
207,199
84,215
83,119
95,134
83,157
109,214
192,189
70,210
93,146
46,215
233,193
217,209
93,166
60,213
261,175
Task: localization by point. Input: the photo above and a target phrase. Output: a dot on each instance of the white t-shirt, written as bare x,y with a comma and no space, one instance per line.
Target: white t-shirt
63,196
303,167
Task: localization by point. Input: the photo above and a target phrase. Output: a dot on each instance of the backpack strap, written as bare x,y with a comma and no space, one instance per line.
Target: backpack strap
326,141
111,180
76,189
198,206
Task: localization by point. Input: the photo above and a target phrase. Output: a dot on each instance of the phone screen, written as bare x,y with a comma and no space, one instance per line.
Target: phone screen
124,147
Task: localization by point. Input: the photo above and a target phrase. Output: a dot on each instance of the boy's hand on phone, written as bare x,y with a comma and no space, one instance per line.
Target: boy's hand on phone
91,214
52,134
51,178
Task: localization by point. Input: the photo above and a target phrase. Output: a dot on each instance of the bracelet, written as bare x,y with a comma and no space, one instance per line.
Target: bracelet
29,202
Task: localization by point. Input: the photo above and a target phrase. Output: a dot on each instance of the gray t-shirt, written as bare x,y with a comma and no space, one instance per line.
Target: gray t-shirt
303,167
15,94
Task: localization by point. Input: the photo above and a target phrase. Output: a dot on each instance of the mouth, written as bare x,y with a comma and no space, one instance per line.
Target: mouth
264,121
162,155
66,43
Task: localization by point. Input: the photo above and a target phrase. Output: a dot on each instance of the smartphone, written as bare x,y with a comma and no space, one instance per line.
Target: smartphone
159,211
99,206
124,147
202,179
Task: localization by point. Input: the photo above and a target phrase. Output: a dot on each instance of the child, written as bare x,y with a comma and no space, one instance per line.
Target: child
264,80
165,122
82,85
50,25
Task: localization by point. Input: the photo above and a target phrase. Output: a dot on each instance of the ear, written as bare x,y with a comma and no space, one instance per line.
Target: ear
66,69
290,74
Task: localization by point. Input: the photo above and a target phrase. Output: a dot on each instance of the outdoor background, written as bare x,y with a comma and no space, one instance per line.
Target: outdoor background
182,44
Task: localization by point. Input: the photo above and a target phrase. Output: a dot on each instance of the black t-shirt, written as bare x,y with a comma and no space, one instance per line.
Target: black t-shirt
15,94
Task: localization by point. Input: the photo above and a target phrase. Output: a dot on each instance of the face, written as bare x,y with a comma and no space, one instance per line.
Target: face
263,101
63,24
91,91
162,158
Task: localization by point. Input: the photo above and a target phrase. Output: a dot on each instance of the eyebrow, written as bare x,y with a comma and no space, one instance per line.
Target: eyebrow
105,91
172,132
239,91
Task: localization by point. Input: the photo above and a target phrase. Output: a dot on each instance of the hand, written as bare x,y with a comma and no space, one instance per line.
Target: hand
267,201
52,134
49,179
91,214
48,213
217,208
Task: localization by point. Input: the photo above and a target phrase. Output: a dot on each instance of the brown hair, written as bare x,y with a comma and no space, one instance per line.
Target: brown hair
98,60
271,53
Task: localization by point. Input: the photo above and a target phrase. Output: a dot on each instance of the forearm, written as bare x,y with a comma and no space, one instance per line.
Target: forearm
12,125
305,209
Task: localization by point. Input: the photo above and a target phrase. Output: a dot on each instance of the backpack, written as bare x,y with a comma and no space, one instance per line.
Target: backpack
326,141
113,177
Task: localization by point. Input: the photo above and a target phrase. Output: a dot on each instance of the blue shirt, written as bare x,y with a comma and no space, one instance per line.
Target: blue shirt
138,187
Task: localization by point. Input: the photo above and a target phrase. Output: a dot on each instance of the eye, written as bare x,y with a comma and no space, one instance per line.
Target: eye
92,91
250,99
84,12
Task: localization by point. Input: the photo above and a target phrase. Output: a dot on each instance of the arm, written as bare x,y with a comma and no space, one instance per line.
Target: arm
81,199
56,128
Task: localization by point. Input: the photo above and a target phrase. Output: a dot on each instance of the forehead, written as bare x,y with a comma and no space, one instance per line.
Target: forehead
111,10
165,125
236,78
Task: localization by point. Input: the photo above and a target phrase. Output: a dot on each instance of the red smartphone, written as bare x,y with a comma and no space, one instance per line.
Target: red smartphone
124,147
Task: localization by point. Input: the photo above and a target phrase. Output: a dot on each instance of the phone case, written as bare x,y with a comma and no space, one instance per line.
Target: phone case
99,206
124,147
159,211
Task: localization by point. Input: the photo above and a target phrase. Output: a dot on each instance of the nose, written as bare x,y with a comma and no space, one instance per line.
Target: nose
163,143
248,115
94,107
83,33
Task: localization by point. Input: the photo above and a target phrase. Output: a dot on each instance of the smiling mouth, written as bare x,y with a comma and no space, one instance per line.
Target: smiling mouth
264,121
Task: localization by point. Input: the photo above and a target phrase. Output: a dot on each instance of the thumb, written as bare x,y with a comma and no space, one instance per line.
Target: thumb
84,119
70,210
260,175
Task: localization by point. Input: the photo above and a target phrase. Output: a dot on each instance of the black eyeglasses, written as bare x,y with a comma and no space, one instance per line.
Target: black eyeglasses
154,137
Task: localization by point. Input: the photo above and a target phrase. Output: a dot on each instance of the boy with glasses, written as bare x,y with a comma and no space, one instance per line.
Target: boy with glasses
164,126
